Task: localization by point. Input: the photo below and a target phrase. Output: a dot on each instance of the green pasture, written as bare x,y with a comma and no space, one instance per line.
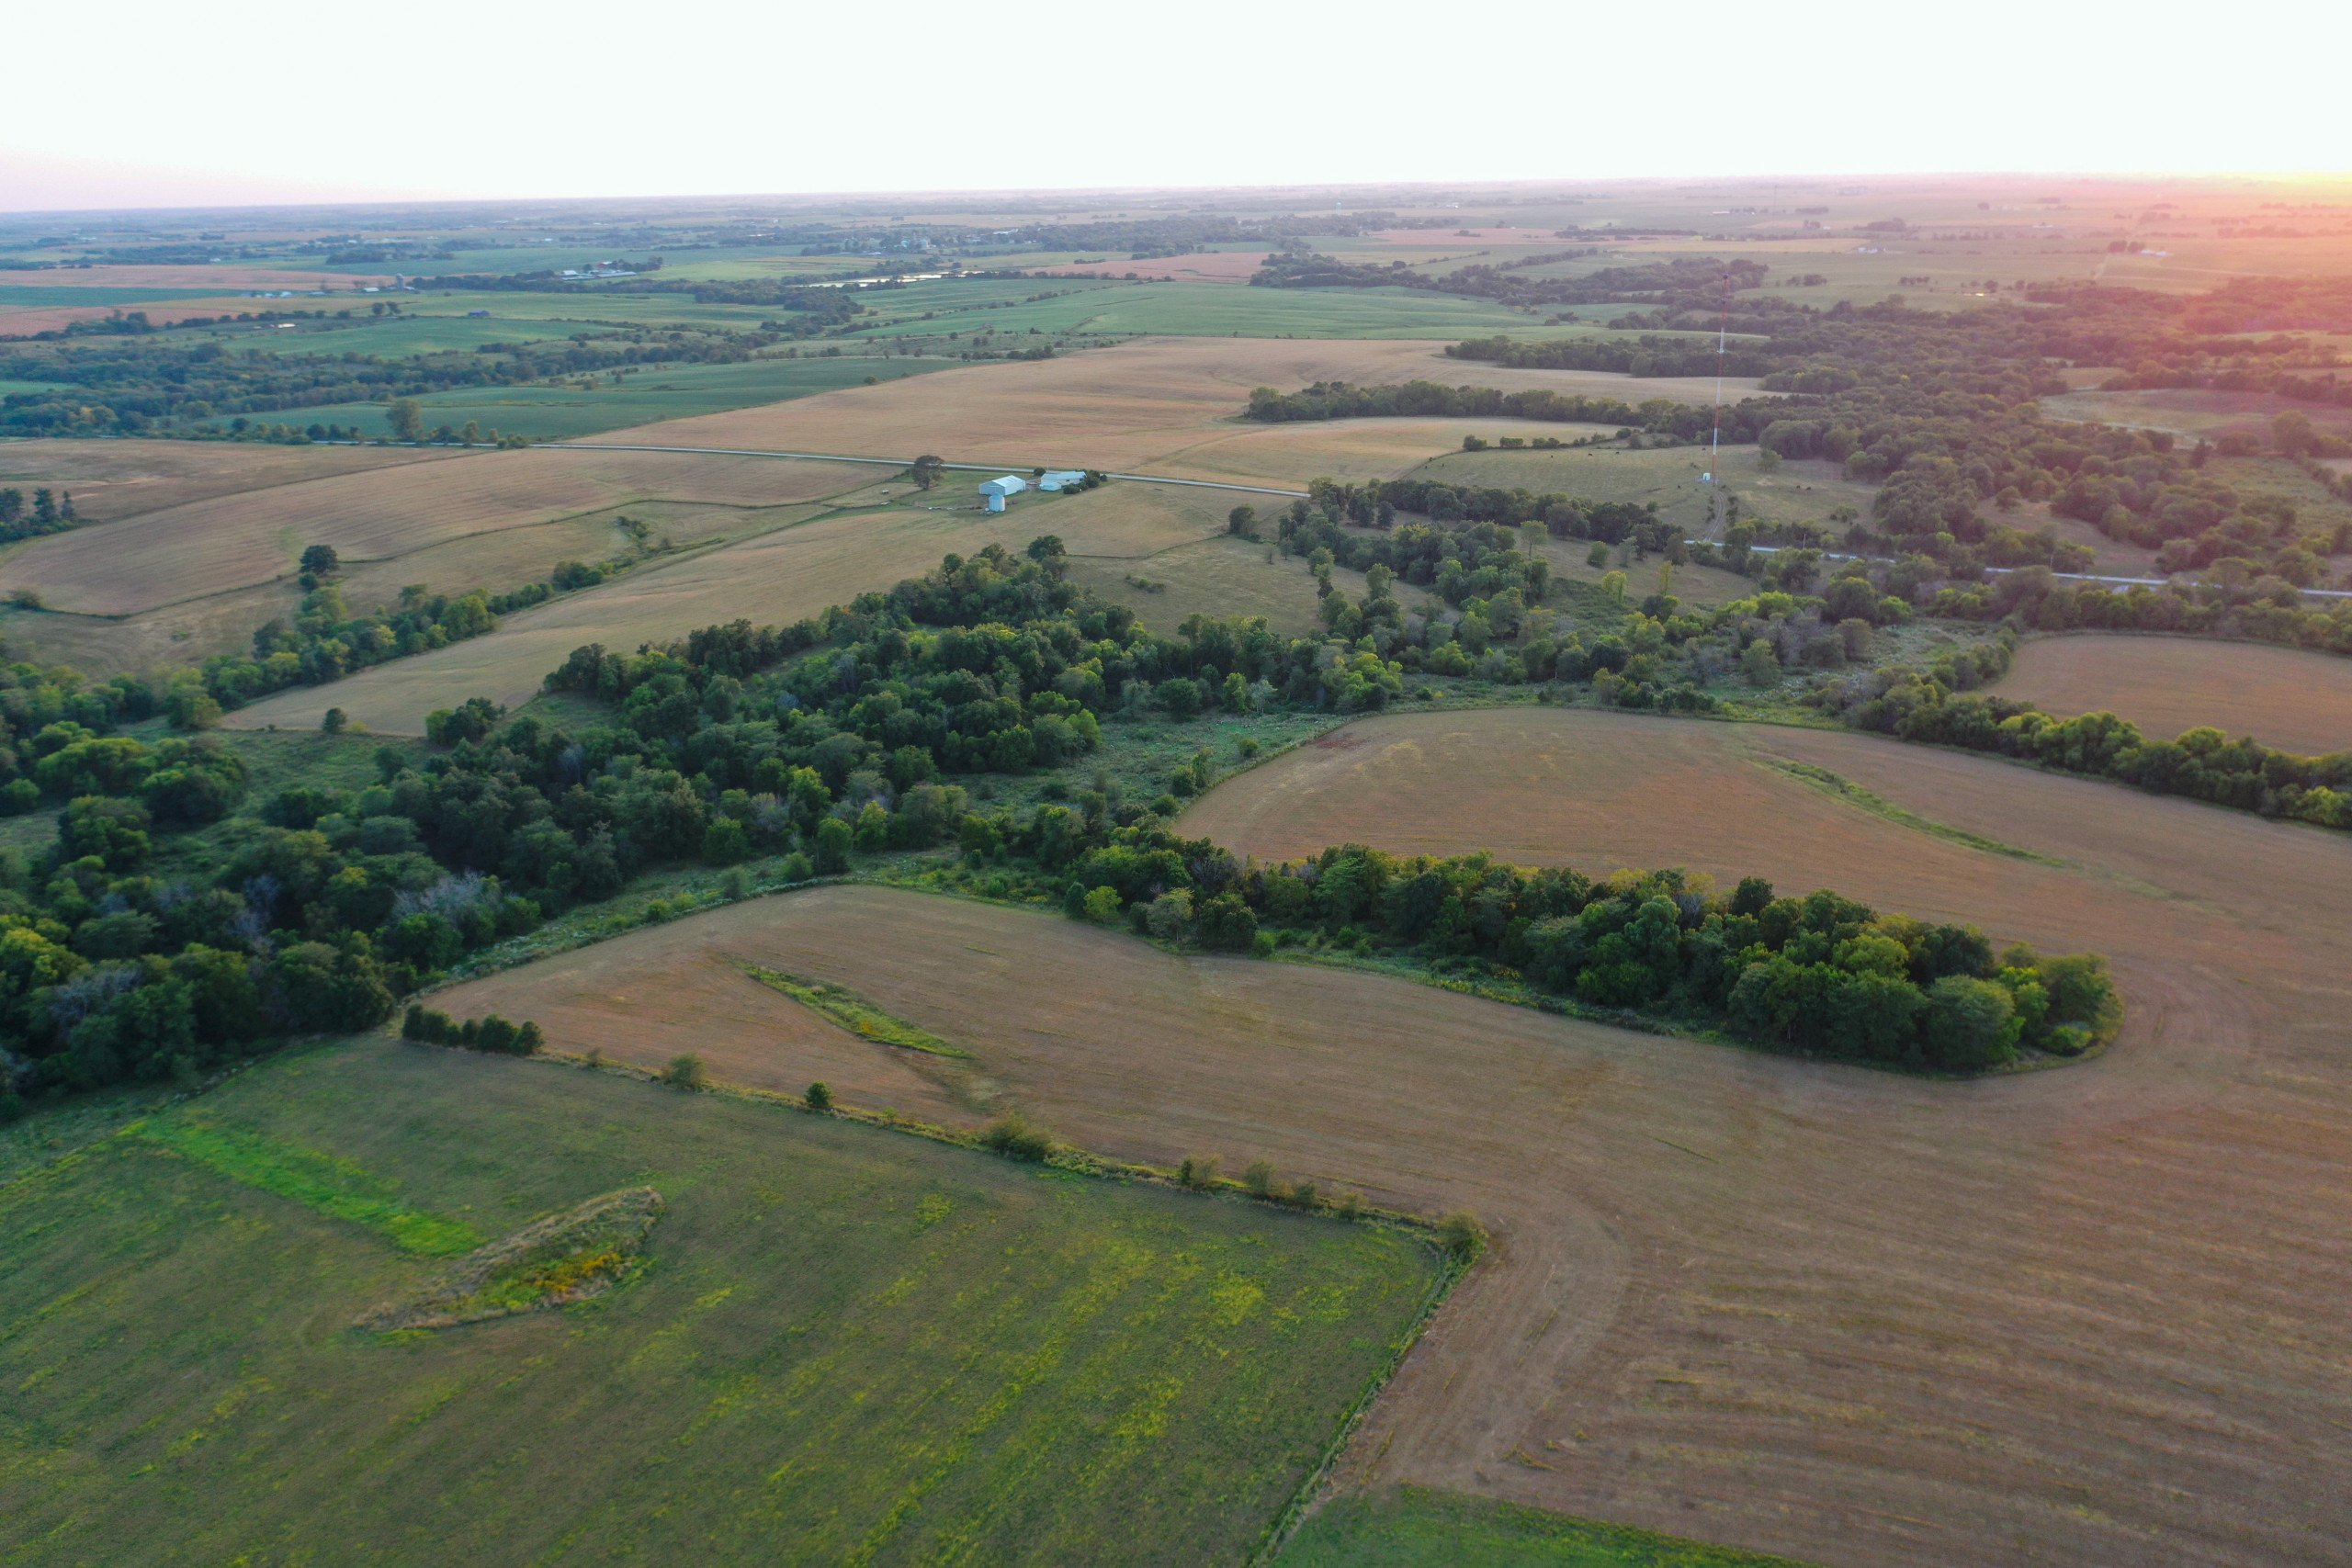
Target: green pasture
1418,1528
847,1345
640,397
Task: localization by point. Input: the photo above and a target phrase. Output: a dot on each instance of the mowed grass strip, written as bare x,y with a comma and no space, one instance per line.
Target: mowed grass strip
847,1344
1838,787
335,1187
852,1011
1417,1528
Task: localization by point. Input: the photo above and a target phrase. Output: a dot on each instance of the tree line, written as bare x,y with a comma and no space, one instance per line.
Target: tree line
1820,974
1741,421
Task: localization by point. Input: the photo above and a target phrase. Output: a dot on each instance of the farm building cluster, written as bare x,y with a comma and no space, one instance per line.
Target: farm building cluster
995,492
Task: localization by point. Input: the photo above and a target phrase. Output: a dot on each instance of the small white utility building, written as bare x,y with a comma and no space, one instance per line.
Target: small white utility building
995,492
1061,479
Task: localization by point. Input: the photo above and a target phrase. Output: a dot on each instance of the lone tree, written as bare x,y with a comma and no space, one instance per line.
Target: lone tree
320,561
406,418
926,471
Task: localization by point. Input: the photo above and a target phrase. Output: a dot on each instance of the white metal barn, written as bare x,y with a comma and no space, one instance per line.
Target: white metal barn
995,492
1062,479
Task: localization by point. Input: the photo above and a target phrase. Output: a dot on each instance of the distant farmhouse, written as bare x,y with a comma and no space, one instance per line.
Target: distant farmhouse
995,492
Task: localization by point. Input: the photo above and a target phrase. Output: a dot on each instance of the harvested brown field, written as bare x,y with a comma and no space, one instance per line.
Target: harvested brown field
30,320
238,541
114,479
199,274
1194,266
1139,408
772,579
2073,1317
2287,697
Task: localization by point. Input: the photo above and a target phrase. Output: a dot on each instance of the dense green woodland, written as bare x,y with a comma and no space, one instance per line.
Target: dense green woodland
1942,409
139,382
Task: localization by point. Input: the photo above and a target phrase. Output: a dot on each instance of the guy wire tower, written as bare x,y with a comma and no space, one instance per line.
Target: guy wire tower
1716,443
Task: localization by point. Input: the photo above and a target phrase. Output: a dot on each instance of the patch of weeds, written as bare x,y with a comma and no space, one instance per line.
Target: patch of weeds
563,1258
852,1012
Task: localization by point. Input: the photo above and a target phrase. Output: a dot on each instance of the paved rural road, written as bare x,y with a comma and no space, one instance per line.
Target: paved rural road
896,463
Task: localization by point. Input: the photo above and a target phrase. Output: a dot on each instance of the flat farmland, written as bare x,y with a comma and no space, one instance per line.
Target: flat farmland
1132,408
113,480
776,578
238,541
1851,1316
846,1344
1195,266
2287,697
570,410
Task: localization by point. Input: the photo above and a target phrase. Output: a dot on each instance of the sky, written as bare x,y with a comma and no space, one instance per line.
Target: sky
180,105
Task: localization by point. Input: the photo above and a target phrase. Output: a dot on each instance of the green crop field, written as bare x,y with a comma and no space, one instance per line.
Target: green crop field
841,1344
389,337
66,293
642,396
1213,309
587,305
1417,1529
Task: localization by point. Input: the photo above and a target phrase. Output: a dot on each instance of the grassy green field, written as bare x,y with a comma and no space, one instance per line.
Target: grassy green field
1420,1528
641,397
847,1345
1798,491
